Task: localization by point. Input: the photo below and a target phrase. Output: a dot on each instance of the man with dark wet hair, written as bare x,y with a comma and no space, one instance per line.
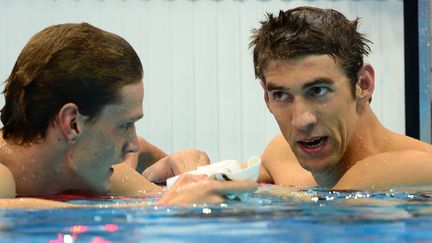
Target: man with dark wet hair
72,101
310,64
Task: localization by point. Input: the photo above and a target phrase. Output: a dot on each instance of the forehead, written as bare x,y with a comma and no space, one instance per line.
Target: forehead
130,104
303,69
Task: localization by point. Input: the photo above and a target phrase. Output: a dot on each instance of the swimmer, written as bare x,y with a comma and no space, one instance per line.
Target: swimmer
310,64
71,103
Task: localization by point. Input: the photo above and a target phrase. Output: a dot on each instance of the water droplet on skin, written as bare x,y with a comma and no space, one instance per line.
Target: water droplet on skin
34,176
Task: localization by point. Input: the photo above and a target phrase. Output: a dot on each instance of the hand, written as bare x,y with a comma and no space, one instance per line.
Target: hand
176,164
199,189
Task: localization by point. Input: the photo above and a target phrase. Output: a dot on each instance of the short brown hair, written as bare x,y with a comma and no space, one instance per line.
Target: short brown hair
64,63
307,31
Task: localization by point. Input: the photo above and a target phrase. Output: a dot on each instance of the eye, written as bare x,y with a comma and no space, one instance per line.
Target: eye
127,125
317,91
280,96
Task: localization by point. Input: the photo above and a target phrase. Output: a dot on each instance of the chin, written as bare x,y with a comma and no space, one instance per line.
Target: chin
100,188
315,166
105,188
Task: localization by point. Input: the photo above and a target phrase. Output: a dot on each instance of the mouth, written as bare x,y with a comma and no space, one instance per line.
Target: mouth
313,145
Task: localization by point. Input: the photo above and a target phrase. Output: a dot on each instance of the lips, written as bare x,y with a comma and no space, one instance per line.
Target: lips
313,145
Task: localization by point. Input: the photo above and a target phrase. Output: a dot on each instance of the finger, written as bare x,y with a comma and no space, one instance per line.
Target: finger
157,172
148,173
203,159
232,187
186,179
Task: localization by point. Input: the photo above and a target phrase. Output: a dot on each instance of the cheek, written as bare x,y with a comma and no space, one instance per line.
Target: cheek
281,114
108,142
283,118
339,118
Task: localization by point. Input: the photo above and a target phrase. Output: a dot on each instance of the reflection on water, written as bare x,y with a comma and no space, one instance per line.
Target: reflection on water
272,214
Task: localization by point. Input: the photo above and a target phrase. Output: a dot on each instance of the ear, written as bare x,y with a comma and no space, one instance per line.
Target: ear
366,84
266,98
68,122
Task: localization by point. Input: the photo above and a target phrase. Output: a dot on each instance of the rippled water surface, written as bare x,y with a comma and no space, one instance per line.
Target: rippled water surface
275,214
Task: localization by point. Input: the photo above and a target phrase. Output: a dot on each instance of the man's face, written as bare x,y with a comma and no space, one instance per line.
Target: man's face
310,98
108,139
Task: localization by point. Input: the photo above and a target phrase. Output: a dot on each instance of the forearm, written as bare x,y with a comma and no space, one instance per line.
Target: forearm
17,203
37,203
125,181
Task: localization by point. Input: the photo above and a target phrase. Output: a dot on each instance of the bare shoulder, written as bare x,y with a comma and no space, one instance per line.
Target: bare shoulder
403,142
7,183
399,168
278,150
281,165
126,181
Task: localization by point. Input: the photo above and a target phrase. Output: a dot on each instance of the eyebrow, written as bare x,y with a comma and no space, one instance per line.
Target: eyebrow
318,81
271,87
135,118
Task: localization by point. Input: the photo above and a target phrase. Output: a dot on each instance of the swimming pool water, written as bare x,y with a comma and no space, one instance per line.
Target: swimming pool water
276,214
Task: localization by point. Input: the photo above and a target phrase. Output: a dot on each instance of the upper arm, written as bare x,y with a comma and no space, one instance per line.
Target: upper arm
269,157
280,166
7,183
397,169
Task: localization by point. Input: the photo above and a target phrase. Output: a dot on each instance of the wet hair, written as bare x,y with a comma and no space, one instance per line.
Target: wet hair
309,31
66,63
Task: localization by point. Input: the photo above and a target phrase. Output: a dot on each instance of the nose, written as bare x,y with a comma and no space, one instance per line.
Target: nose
303,117
132,145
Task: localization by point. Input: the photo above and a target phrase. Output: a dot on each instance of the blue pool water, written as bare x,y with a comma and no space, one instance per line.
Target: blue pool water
275,214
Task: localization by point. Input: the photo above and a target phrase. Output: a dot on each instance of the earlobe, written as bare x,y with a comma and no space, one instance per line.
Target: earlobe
68,119
366,84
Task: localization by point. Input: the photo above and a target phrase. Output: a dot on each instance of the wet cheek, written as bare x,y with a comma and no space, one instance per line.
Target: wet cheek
285,127
108,144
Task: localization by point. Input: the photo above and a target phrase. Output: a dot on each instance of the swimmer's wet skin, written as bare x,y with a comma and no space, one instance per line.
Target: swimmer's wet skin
319,90
55,141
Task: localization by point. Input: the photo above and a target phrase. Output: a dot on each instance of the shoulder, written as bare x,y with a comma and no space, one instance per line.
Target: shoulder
280,166
399,168
278,148
7,183
401,142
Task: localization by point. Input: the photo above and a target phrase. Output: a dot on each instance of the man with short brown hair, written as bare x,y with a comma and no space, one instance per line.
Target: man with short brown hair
72,101
310,63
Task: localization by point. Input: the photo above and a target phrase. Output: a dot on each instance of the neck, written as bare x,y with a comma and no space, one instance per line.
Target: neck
38,168
369,138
